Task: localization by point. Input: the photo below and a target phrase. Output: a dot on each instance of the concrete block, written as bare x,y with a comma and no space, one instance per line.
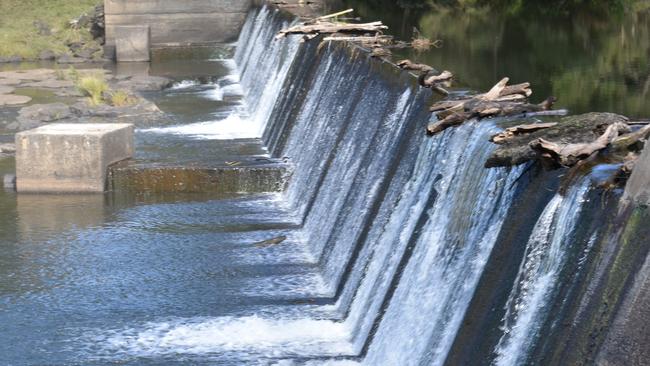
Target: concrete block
132,43
70,157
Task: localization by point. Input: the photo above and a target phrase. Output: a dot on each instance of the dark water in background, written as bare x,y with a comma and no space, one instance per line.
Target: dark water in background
589,62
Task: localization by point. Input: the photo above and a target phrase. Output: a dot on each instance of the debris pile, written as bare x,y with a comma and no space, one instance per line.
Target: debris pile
328,25
572,142
502,100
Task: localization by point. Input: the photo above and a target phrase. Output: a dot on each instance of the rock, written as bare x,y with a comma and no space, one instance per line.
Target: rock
70,59
8,148
4,89
69,92
10,59
42,28
582,128
75,46
9,81
33,74
13,99
145,83
47,55
50,84
83,109
9,181
87,52
44,112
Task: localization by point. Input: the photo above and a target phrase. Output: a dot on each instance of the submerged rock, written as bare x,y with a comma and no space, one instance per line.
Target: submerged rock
38,114
145,83
582,128
13,99
10,59
70,59
4,89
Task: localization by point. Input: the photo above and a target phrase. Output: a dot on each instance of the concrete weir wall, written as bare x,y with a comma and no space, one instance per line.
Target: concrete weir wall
177,23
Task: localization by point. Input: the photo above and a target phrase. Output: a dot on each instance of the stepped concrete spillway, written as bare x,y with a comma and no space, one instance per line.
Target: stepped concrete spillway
382,247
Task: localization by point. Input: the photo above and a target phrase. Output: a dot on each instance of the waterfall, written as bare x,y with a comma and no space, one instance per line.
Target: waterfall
534,285
388,230
259,69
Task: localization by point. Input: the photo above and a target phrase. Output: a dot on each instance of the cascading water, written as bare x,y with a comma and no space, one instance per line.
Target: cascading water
256,70
388,232
374,196
538,274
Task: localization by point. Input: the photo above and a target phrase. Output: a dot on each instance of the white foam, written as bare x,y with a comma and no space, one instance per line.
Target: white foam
184,84
248,336
232,127
214,93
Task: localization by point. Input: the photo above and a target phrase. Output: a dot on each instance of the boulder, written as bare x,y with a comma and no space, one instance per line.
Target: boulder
584,128
10,59
145,83
86,52
47,55
70,59
45,112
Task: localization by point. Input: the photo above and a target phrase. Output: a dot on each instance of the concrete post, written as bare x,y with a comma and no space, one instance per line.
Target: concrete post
70,157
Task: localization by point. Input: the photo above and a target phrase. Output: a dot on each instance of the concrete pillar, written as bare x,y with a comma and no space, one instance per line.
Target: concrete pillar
132,43
70,157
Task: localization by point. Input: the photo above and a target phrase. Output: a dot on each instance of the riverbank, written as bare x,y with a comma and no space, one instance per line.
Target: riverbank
50,29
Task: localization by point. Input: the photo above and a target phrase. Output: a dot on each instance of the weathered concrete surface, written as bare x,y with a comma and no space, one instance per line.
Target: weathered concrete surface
628,341
132,43
70,157
263,178
174,22
638,186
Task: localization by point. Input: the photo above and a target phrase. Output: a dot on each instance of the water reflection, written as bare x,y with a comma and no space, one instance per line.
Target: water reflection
590,63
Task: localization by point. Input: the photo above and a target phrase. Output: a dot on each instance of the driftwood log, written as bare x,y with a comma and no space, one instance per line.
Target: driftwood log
271,242
573,141
571,153
511,132
325,27
501,100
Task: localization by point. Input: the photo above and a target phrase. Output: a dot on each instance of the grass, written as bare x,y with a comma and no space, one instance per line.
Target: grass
121,98
94,86
19,36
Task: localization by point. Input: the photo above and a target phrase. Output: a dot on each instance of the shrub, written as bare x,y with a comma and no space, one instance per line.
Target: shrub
94,86
121,98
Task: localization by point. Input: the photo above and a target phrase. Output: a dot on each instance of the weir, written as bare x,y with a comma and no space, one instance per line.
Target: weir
393,248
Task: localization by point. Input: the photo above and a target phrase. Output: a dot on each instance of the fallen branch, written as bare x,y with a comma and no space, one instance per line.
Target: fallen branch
571,154
412,66
271,242
511,132
331,28
627,140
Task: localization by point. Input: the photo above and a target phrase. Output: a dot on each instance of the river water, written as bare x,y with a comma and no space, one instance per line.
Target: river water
389,234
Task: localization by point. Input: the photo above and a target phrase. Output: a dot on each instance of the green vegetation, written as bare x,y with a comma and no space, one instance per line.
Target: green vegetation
19,36
94,86
121,98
